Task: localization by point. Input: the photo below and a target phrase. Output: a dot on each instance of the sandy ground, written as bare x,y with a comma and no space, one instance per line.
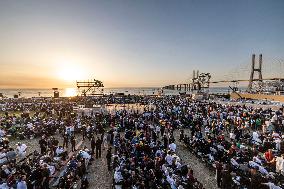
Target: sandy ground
200,171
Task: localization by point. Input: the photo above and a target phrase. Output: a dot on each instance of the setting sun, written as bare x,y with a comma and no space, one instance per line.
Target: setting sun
71,74
70,71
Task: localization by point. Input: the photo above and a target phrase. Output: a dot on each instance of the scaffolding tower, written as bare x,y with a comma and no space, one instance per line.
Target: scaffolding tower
90,87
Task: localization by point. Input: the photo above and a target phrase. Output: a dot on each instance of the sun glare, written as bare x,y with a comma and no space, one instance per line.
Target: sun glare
69,71
70,74
69,92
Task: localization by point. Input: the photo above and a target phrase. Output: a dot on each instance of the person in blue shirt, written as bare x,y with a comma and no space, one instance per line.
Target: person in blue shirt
22,183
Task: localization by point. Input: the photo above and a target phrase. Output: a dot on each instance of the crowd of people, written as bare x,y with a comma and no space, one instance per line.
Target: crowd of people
243,145
145,155
56,128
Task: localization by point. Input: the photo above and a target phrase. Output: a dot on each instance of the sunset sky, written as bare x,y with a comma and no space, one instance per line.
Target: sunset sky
133,43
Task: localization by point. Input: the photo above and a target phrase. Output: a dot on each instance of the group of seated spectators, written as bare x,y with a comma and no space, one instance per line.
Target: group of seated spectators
243,144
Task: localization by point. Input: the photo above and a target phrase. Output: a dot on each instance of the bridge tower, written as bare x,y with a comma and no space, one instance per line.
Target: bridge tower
253,70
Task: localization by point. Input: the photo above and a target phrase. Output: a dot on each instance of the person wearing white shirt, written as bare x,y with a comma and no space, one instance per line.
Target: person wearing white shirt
4,186
275,135
207,130
280,164
271,185
2,133
173,147
261,169
257,160
30,125
72,129
2,156
59,150
158,130
169,159
178,164
21,149
86,155
118,179
232,136
171,181
235,163
22,183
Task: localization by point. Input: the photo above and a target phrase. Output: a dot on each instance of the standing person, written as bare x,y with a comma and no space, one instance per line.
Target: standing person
162,130
45,177
43,144
219,168
21,150
73,143
191,179
105,142
108,157
98,148
111,137
108,138
158,131
65,140
226,179
84,131
93,144
165,141
72,130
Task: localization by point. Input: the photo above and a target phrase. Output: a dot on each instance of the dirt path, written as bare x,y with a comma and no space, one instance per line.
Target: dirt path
200,171
98,175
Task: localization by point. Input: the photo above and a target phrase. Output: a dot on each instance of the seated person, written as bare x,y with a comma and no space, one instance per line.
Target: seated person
3,157
59,151
269,157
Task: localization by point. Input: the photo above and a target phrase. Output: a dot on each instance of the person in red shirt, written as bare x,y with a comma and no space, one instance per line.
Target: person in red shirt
270,159
269,156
